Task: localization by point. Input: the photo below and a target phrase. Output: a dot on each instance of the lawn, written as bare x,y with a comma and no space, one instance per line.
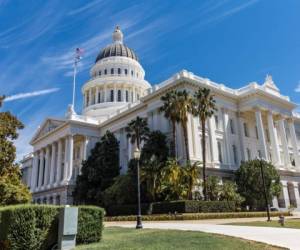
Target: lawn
148,239
289,223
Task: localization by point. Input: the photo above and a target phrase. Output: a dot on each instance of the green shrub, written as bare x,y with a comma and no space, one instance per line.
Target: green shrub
128,209
90,224
27,226
34,227
190,206
197,216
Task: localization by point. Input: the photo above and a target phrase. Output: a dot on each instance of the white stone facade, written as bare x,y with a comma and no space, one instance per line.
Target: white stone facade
253,121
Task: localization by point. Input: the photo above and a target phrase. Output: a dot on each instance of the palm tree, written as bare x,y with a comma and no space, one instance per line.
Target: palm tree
184,104
170,112
192,174
204,107
137,130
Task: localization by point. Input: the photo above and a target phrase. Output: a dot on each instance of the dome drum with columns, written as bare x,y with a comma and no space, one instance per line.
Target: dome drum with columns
117,78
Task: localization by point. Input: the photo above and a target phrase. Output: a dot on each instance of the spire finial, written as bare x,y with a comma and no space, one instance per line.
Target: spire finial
117,35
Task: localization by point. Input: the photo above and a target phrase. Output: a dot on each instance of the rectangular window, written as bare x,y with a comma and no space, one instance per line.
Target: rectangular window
259,154
217,121
112,95
256,132
231,126
126,95
246,133
220,152
248,154
234,154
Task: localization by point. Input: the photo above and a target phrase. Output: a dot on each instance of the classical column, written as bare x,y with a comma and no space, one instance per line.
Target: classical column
85,147
213,140
261,134
41,168
52,165
115,93
34,172
294,142
59,162
284,143
241,136
297,196
285,193
47,166
226,138
68,166
274,140
97,95
90,96
104,94
134,95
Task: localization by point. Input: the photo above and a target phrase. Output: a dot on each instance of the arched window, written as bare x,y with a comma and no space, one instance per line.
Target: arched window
105,72
126,71
112,95
126,93
112,71
119,71
119,95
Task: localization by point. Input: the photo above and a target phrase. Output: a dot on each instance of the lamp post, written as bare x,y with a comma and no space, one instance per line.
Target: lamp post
137,155
265,192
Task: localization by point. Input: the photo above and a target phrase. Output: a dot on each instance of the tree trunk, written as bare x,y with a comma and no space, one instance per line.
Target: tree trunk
173,143
203,139
184,127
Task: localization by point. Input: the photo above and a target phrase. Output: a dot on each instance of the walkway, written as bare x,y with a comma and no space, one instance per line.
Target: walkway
283,237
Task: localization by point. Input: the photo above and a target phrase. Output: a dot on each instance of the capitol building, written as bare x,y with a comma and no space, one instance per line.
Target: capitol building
255,121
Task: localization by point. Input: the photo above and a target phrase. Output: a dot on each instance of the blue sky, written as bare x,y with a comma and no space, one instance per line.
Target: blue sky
229,41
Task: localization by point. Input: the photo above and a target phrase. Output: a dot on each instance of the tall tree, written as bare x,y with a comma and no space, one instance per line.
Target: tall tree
137,130
184,107
250,184
170,112
204,108
98,171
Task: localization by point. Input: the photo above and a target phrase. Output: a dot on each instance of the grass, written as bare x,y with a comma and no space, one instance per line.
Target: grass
290,223
150,239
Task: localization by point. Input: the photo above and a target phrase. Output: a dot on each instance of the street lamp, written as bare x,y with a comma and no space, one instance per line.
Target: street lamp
265,192
137,155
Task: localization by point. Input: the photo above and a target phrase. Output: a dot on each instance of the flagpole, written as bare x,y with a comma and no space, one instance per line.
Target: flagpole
74,82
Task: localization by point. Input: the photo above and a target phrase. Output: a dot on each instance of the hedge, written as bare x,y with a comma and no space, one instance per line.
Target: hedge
194,216
34,227
184,206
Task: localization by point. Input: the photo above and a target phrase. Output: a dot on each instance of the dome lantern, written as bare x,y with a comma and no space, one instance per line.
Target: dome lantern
117,35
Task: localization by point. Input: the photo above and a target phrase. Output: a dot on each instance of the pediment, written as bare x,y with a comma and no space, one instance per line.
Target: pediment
47,126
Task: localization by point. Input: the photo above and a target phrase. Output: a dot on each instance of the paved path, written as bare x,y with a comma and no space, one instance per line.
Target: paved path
283,237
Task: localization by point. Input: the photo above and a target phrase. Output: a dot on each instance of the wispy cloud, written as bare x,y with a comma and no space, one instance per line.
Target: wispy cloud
30,94
85,7
297,89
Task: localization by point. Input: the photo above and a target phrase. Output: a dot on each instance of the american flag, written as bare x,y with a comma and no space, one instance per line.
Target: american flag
78,54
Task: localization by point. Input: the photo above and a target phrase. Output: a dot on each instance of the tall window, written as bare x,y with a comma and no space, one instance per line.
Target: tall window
248,154
119,71
126,71
119,95
87,100
132,96
220,152
132,72
217,121
112,95
112,71
138,96
105,72
99,97
100,73
235,159
231,124
246,132
259,154
256,132
126,93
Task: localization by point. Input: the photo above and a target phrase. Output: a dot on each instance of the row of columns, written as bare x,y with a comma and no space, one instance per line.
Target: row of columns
290,195
53,164
92,95
274,139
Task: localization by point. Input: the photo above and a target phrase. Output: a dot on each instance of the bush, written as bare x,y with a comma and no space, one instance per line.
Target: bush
34,227
146,208
198,216
90,224
190,206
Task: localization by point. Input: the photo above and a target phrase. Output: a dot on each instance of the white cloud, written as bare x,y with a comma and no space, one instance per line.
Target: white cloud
297,89
30,94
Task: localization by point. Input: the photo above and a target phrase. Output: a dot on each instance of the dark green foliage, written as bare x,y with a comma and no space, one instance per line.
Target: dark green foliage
137,130
115,210
34,227
189,206
98,171
90,224
27,226
250,186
